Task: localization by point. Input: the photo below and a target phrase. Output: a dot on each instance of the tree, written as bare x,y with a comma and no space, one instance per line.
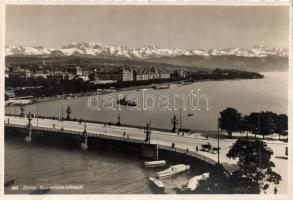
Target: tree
281,122
262,122
255,166
230,120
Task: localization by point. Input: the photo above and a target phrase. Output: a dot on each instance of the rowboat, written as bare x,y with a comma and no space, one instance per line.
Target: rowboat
193,182
9,182
159,185
172,170
156,163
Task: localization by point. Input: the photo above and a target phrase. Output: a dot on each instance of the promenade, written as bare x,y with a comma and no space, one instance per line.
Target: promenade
189,142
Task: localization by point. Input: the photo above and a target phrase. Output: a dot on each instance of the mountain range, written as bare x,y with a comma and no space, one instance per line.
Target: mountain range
258,58
145,52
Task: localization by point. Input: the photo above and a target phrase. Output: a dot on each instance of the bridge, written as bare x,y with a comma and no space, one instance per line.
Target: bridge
187,144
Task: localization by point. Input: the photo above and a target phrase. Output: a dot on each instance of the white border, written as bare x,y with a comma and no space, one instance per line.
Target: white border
146,2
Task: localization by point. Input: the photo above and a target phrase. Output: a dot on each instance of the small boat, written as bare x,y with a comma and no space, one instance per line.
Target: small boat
159,185
126,102
8,183
173,170
193,182
156,163
186,82
83,146
190,114
160,87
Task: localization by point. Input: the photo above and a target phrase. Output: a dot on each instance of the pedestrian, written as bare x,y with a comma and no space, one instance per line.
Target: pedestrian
124,133
275,190
173,145
196,148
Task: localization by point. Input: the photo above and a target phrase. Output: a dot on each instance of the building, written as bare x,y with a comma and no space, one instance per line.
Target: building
127,75
19,73
164,74
141,75
76,71
116,74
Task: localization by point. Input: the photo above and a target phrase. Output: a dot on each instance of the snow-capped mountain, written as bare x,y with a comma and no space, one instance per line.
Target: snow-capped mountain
145,52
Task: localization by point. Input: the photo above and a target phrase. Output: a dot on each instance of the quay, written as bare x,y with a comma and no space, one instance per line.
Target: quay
90,136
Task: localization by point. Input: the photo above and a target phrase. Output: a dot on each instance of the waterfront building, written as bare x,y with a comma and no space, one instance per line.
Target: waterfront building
127,75
116,74
19,73
164,74
141,75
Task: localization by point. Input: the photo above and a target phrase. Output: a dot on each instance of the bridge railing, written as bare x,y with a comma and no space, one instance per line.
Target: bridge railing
106,123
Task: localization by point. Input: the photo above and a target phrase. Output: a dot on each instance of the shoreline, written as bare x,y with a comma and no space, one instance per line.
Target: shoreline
137,87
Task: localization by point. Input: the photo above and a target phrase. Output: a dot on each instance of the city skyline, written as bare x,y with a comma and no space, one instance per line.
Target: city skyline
183,27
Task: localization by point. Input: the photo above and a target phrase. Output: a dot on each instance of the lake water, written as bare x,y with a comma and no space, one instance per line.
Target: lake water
268,94
98,172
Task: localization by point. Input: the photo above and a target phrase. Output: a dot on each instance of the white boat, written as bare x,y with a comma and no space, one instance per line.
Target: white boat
173,170
156,163
193,182
160,87
157,183
83,146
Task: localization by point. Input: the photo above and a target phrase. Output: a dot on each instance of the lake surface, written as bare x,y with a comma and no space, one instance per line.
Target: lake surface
268,94
98,172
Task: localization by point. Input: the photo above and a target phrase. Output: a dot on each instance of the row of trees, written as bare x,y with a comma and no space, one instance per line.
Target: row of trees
263,123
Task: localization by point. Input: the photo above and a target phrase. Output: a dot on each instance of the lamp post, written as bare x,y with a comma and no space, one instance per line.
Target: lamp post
174,122
37,115
219,140
147,131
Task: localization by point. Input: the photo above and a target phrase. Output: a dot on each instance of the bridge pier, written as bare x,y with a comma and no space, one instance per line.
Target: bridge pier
84,145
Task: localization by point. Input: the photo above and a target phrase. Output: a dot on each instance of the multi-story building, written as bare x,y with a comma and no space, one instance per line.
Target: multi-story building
164,74
127,75
141,75
19,73
118,75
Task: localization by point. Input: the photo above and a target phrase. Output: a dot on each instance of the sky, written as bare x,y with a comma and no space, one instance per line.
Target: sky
183,27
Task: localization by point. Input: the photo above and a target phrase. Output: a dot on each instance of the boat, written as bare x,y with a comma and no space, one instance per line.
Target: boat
8,183
186,82
156,163
190,114
173,170
160,87
83,146
126,102
193,182
159,185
